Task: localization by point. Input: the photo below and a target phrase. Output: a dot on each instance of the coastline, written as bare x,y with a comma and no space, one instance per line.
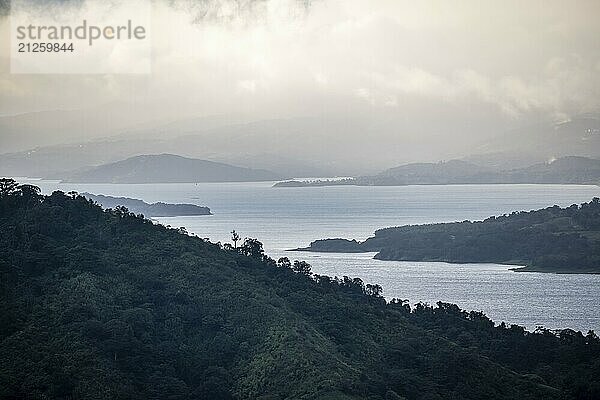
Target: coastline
518,265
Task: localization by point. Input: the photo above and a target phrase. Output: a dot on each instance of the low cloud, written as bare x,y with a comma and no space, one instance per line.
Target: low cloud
286,58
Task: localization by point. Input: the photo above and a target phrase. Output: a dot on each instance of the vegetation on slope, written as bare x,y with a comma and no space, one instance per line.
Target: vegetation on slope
105,304
553,239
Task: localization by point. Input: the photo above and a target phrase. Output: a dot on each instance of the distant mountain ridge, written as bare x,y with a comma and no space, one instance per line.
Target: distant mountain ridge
566,170
169,168
579,135
159,209
570,169
453,171
296,147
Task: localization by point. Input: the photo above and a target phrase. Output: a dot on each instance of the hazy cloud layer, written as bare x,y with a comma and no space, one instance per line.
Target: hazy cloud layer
468,64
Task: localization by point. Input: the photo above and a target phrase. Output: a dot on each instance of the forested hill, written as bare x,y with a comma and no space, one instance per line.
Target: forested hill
553,239
106,305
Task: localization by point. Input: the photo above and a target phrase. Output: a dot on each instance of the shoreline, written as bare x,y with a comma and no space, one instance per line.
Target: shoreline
518,266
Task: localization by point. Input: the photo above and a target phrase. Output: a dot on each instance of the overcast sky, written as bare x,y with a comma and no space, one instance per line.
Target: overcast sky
425,67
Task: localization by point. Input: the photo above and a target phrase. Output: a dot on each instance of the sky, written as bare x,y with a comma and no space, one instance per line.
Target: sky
413,69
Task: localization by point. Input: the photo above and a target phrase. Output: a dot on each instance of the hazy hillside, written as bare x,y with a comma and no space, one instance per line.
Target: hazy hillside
313,144
270,145
295,147
169,168
57,127
107,305
55,162
566,170
563,170
503,161
579,135
554,239
454,171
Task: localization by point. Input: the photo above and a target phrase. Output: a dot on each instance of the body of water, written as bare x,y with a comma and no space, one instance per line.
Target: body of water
284,218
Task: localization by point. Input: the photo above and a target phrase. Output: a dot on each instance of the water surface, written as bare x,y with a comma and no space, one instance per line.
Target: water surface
284,218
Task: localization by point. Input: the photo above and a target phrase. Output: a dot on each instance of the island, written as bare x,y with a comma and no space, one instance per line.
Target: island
554,239
151,210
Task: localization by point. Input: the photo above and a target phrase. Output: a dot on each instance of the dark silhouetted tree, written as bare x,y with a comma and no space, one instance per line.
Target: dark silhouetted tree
284,262
374,290
8,187
252,248
302,267
235,238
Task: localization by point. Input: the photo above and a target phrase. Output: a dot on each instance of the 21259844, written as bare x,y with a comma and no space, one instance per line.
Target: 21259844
45,47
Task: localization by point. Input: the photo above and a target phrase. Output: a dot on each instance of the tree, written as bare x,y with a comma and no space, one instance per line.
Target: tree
284,262
302,267
252,248
374,290
30,192
7,187
235,238
402,304
227,247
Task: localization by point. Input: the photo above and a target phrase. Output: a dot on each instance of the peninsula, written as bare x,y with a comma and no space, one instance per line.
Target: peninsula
151,210
554,239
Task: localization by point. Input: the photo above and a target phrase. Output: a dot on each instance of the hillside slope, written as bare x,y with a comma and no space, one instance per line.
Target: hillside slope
565,170
169,168
102,304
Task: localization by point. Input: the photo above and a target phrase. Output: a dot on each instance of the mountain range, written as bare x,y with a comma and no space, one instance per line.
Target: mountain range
565,170
294,147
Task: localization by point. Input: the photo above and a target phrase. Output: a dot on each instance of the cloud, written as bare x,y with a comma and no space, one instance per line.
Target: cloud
280,58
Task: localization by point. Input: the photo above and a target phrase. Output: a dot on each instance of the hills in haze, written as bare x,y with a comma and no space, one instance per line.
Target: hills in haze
295,147
104,304
579,135
569,169
270,145
168,168
566,170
